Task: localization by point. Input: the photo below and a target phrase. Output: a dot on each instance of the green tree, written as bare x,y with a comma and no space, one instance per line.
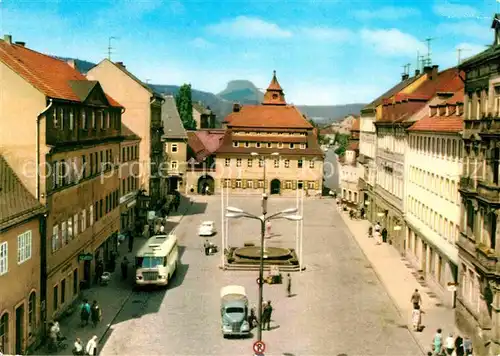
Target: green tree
185,107
342,142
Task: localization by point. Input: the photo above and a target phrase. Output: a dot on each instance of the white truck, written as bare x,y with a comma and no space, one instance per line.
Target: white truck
234,311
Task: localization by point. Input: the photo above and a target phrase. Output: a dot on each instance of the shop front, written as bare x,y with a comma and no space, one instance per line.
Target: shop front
128,205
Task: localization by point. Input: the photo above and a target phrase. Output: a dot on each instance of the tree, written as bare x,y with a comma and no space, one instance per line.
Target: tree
185,107
343,142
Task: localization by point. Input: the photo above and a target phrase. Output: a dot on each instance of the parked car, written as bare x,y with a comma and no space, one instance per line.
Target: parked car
207,228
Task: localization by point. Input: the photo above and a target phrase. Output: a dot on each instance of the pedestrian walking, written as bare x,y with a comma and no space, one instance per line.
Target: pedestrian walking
207,247
130,240
124,267
95,313
78,347
377,227
268,311
289,285
438,343
384,235
85,312
370,232
416,318
467,345
99,270
91,347
416,299
459,349
450,344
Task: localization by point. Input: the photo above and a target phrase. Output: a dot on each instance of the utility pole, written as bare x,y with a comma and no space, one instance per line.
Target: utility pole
110,49
408,65
429,40
459,54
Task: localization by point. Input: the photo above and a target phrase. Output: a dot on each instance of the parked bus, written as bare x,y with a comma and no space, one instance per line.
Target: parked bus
156,261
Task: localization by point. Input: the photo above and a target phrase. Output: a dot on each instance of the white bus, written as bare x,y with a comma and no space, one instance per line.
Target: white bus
156,261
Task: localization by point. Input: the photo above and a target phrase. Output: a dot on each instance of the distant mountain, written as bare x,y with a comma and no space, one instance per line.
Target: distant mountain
243,92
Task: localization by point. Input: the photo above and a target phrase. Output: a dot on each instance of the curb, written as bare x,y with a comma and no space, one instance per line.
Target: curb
377,273
122,306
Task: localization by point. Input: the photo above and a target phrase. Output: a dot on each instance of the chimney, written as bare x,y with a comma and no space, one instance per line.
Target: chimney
20,43
8,39
120,64
404,76
417,72
428,70
435,71
236,107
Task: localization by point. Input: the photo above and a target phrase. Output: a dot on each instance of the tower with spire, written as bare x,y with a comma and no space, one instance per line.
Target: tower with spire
274,94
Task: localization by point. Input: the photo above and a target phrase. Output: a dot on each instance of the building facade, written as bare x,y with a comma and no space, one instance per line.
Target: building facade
21,235
143,116
478,305
175,140
349,170
269,147
203,116
66,156
129,180
433,166
366,159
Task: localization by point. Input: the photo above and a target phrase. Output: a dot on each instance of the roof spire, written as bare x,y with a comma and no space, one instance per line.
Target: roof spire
274,93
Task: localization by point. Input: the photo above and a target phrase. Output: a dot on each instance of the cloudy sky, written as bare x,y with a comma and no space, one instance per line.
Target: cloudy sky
324,51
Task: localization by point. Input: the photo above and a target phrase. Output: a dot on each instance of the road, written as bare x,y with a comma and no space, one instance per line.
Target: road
340,307
331,170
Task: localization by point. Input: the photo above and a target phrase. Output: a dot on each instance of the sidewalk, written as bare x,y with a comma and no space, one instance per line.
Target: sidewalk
112,297
399,282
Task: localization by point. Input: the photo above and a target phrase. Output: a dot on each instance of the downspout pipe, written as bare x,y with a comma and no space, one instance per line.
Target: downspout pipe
38,118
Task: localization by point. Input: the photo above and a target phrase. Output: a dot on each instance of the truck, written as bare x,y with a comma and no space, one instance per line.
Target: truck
234,311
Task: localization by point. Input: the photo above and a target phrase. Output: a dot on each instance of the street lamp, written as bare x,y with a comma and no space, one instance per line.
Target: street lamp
255,154
289,214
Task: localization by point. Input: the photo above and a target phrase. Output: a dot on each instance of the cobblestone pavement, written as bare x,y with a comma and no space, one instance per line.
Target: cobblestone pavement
112,297
339,307
396,275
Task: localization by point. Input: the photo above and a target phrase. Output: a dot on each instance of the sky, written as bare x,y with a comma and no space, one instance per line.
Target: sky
324,52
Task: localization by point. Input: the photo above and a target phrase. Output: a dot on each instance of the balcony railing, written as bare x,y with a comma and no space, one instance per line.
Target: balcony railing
489,191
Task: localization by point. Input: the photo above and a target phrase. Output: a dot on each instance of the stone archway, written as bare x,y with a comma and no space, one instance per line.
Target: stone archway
275,186
204,182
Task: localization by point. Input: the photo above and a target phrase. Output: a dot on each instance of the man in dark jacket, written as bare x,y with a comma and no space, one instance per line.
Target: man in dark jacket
384,235
266,317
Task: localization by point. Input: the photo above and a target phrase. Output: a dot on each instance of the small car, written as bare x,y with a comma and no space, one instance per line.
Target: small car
207,228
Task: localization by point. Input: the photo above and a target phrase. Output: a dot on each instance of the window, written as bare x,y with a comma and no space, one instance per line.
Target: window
299,163
84,220
31,314
24,247
55,301
227,162
107,120
4,258
4,333
311,184
276,163
75,225
239,183
174,165
75,281
84,119
249,163
269,145
261,162
173,147
257,144
70,229
64,233
91,215
303,146
287,163
238,162
71,119
311,164
101,210
292,145
93,119
236,144
250,184
227,183
261,184
101,119
280,144
288,184
63,291
55,238
61,116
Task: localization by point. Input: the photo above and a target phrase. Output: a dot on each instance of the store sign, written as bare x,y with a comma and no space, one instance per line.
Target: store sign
85,257
127,197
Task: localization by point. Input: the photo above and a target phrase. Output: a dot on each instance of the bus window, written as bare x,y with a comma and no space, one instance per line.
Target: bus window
151,262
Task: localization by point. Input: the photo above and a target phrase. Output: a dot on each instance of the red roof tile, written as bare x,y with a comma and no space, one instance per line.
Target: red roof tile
453,124
265,138
270,116
211,139
458,97
49,75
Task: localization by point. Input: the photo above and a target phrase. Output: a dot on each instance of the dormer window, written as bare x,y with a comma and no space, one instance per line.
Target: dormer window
292,146
236,144
280,144
269,145
303,146
247,144
257,145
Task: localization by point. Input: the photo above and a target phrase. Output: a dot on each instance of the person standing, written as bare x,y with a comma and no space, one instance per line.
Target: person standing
450,344
85,312
289,285
416,299
384,235
91,347
268,311
78,347
467,345
459,350
99,270
438,342
95,313
124,267
130,240
416,317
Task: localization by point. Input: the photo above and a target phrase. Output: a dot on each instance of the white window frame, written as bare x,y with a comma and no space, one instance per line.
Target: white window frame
4,258
292,146
312,184
247,144
250,184
269,145
76,224
288,184
83,221
236,144
64,233
311,164
174,148
174,165
257,144
250,162
227,162
276,163
238,162
287,163
239,183
55,238
24,243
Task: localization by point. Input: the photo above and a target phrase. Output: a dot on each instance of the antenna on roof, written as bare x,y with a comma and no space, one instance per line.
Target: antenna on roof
147,81
429,40
459,52
110,49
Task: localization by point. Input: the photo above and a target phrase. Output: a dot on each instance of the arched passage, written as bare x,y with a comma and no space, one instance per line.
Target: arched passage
206,182
275,186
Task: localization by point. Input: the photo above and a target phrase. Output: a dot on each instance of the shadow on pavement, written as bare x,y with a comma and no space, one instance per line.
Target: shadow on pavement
194,209
180,272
